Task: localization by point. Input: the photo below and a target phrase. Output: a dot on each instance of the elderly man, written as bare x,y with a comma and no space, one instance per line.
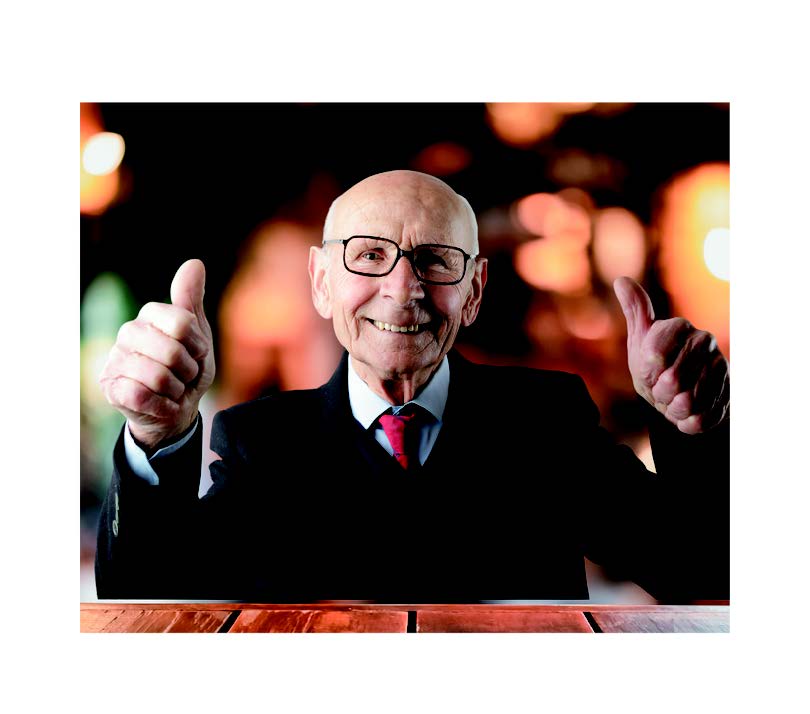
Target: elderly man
412,475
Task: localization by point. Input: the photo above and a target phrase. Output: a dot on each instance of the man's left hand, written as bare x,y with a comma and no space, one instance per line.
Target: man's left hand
675,367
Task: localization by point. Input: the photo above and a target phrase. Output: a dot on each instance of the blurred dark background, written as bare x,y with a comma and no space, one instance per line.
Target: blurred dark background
568,197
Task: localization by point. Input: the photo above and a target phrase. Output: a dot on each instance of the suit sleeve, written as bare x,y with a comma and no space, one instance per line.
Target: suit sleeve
667,531
147,540
164,542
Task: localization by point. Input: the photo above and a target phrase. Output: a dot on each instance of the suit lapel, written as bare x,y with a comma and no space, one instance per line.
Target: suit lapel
460,428
354,444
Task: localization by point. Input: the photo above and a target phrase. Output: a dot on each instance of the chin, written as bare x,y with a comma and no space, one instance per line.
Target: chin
398,368
397,364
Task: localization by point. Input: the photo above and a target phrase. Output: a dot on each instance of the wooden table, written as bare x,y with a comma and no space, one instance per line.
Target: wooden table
114,616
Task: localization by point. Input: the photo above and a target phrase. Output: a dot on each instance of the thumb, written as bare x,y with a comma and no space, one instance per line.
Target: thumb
636,306
188,287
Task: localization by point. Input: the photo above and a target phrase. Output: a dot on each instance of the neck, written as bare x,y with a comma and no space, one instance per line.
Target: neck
398,389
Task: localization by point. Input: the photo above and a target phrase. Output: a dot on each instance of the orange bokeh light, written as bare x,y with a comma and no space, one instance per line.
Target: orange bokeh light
578,197
525,123
558,266
552,217
270,332
573,107
619,245
522,124
96,193
693,204
586,318
268,302
442,159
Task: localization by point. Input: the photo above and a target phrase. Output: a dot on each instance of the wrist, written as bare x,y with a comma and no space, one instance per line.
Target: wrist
150,443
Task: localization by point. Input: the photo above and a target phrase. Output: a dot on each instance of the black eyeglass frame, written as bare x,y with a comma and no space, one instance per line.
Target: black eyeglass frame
409,254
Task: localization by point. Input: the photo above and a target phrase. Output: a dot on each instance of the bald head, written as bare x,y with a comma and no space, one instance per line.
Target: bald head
412,197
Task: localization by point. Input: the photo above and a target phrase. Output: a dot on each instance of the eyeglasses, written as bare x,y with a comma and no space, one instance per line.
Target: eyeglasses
431,262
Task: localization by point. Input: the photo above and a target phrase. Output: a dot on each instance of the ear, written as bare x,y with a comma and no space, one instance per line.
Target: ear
320,285
473,303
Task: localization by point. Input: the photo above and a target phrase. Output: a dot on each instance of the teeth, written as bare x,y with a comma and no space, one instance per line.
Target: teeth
395,328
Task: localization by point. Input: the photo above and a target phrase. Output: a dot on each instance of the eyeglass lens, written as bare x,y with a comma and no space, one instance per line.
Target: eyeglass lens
376,256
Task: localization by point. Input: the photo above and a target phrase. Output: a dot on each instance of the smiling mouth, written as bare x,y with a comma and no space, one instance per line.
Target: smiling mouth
408,329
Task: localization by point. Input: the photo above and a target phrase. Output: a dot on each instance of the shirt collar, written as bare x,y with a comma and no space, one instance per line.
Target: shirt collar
368,406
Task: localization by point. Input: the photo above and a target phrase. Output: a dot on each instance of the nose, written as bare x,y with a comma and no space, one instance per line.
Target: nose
401,284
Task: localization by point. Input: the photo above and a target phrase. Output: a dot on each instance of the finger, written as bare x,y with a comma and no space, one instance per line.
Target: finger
188,287
702,421
681,406
137,400
689,362
711,387
636,306
147,340
660,348
153,375
692,424
178,323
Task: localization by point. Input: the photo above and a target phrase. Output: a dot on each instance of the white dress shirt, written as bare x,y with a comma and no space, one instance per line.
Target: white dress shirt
366,407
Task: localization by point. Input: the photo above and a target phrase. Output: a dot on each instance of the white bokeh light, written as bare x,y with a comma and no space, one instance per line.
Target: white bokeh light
103,153
716,253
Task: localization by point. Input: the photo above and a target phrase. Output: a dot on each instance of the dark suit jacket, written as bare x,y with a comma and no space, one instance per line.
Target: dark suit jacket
521,484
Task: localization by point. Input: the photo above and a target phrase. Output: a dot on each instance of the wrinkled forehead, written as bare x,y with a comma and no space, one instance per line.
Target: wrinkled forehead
413,212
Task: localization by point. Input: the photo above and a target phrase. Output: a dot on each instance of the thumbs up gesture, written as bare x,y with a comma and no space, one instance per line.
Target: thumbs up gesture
163,362
675,367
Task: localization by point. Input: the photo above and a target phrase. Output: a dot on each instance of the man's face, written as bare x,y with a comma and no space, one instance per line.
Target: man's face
409,209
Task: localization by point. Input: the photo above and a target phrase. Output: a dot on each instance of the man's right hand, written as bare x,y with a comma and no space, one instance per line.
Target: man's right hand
163,362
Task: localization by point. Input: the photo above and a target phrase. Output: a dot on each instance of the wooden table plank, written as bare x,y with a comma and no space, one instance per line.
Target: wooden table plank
96,620
315,620
501,621
147,620
691,620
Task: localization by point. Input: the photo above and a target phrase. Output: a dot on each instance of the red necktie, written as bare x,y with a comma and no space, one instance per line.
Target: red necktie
402,432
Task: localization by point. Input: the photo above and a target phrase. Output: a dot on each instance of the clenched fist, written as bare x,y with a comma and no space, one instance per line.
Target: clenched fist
675,367
163,362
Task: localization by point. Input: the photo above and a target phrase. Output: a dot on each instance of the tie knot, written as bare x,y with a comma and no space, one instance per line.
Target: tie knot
402,431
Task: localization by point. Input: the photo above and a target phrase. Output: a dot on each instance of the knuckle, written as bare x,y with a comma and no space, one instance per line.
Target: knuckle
170,320
148,309
682,403
649,354
132,395
668,379
656,329
176,324
651,358
118,394
206,351
697,423
690,425
107,390
137,396
160,380
168,385
124,332
186,323
175,354
112,366
704,340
